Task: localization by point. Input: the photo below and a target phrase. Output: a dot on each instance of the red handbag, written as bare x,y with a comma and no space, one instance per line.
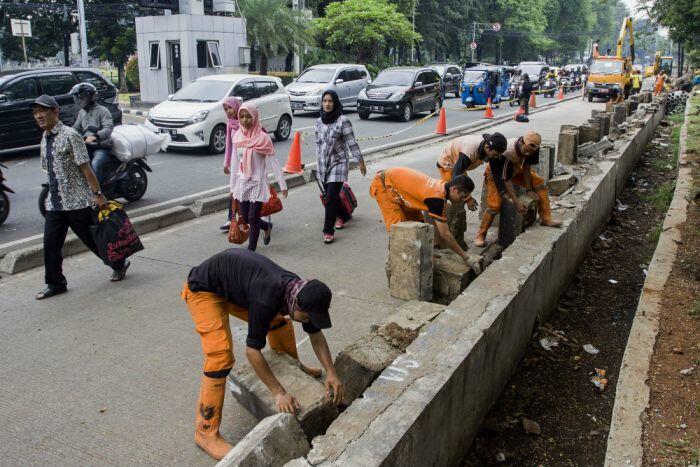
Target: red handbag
238,230
272,206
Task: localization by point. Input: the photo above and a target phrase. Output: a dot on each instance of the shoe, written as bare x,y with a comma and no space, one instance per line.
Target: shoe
339,224
225,226
49,292
208,418
119,274
328,239
267,236
486,220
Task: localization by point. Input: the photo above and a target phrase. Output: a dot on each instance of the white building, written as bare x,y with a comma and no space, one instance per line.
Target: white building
174,50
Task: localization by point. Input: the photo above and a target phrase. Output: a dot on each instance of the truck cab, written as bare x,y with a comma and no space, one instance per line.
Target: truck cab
608,76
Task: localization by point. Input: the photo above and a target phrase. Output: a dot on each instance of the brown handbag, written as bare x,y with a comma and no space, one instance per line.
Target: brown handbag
238,230
272,206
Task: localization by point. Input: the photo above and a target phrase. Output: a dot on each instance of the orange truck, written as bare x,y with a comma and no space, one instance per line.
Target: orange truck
611,74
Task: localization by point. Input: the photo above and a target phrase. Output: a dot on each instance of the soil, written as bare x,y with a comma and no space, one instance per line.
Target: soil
672,421
554,388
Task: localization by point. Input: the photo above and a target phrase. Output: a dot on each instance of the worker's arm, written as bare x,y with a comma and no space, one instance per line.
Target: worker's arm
510,191
284,402
334,386
446,236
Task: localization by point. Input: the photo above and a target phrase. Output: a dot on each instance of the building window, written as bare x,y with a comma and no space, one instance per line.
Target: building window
208,55
154,62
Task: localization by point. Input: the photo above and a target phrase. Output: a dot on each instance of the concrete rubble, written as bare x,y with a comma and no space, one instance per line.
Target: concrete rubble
512,223
590,149
410,263
560,184
451,275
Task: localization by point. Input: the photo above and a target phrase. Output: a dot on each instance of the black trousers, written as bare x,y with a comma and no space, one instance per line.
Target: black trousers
251,213
56,225
333,208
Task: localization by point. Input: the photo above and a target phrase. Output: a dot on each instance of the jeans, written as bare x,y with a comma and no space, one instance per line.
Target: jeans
100,163
56,227
333,208
251,212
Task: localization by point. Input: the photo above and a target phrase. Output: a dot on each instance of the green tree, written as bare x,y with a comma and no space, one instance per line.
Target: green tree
361,27
275,28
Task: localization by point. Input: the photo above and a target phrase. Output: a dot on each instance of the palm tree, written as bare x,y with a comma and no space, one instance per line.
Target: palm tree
275,28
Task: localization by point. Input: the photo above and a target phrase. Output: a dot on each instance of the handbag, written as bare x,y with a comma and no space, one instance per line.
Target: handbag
238,230
348,201
114,235
272,206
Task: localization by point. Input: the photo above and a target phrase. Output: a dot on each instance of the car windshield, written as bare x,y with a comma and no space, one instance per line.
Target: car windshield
316,75
531,70
394,78
439,68
203,91
473,76
607,67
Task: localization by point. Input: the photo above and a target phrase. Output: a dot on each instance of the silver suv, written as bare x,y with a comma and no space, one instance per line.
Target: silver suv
345,79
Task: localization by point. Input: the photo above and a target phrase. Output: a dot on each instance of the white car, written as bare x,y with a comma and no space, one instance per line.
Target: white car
345,79
194,116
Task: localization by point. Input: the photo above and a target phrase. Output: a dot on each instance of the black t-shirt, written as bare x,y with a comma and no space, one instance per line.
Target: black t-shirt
250,281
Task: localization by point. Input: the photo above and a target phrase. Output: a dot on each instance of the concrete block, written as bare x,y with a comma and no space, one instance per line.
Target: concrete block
591,148
619,114
300,462
204,206
410,262
604,118
414,314
585,134
316,411
451,275
558,185
596,129
457,222
568,146
628,108
545,168
273,442
513,223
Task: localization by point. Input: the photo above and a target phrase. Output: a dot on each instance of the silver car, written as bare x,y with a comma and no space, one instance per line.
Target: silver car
345,79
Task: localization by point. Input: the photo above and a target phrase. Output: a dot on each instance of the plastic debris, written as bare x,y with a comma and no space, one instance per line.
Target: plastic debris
599,380
547,343
683,426
612,281
500,457
590,349
531,426
688,371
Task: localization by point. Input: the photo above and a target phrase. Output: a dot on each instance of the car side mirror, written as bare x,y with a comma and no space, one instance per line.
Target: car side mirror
3,98
170,97
339,80
417,84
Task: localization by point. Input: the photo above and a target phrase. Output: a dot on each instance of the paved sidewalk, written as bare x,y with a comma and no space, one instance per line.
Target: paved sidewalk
109,373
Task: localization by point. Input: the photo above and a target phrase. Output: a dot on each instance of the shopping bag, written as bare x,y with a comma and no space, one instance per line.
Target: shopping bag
272,206
348,201
114,235
238,229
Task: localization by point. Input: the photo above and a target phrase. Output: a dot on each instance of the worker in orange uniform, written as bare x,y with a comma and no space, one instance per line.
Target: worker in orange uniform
251,287
515,166
659,85
468,152
402,194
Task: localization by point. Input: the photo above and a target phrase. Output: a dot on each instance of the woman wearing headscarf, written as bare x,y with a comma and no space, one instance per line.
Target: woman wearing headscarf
231,106
250,162
335,143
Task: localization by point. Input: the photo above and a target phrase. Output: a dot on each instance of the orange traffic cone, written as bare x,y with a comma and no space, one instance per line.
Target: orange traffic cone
560,96
520,111
294,165
489,112
441,128
533,102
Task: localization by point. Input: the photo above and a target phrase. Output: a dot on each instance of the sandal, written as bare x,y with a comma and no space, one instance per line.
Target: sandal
48,292
268,235
119,274
328,239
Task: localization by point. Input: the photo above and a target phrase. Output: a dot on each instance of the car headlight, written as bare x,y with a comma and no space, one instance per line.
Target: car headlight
362,94
199,116
397,96
149,118
316,92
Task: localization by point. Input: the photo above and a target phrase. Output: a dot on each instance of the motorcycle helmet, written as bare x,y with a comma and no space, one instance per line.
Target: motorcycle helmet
84,95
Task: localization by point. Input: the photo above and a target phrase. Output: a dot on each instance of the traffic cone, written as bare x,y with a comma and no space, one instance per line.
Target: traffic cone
520,111
533,102
489,112
560,96
294,165
441,128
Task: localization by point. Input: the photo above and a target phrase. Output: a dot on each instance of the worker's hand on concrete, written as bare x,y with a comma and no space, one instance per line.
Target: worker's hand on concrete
472,204
473,262
533,195
334,388
287,403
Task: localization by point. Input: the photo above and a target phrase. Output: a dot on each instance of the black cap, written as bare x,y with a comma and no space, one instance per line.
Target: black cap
45,101
496,141
315,299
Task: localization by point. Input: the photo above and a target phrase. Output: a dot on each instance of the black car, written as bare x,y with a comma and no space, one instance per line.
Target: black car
451,76
19,88
402,92
536,71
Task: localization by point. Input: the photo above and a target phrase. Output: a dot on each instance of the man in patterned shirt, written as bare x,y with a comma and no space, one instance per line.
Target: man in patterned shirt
73,189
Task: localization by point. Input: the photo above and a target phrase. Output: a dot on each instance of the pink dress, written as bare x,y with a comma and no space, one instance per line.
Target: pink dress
256,187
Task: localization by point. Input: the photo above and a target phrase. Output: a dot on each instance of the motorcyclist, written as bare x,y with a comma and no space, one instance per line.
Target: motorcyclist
94,122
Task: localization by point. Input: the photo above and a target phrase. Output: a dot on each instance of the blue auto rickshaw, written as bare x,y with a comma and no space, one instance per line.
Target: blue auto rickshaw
475,85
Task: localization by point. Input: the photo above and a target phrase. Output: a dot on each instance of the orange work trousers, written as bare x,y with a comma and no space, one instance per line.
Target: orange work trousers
493,197
393,211
210,313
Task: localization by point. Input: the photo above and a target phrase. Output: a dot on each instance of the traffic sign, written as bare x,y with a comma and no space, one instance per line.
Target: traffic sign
496,26
472,45
21,27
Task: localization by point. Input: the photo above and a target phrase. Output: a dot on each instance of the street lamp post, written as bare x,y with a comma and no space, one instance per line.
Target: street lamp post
83,34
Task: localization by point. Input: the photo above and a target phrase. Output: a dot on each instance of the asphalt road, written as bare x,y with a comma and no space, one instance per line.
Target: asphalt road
180,173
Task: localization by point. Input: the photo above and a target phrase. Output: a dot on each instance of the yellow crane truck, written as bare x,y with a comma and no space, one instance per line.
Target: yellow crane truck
610,74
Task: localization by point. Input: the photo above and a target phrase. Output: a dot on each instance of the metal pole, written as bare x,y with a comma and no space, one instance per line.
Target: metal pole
413,42
24,44
473,38
83,34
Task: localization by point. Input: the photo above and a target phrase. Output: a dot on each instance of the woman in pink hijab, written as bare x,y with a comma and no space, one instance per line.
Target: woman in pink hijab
250,162
231,106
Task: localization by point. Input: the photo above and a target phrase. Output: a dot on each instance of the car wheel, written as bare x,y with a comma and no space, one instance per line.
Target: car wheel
4,206
284,128
437,103
363,114
407,112
134,186
590,97
217,139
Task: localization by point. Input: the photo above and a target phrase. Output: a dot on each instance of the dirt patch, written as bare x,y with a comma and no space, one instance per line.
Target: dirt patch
672,421
397,336
569,390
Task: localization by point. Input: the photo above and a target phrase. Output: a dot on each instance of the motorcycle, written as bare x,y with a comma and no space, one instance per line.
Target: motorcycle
566,82
4,199
514,93
128,180
549,87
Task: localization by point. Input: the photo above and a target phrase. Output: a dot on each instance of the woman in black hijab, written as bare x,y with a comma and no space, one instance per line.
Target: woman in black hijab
335,144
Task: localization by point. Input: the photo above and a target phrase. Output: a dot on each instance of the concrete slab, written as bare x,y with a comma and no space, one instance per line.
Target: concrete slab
558,185
451,275
410,261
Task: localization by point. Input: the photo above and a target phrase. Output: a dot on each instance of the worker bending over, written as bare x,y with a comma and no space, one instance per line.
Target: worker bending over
251,287
468,152
403,194
515,166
